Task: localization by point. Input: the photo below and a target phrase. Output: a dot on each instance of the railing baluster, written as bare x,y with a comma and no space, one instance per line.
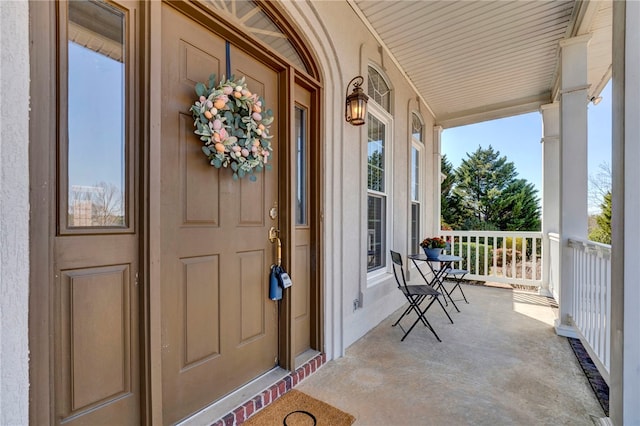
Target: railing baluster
592,301
523,269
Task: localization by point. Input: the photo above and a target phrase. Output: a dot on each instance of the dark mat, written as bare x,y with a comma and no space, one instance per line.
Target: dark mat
599,386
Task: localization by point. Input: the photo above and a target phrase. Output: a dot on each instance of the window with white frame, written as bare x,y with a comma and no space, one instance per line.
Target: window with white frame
417,145
378,89
378,172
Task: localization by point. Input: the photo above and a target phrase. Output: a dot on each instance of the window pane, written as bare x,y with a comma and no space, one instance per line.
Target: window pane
376,227
378,89
416,128
301,167
415,227
96,123
415,174
375,148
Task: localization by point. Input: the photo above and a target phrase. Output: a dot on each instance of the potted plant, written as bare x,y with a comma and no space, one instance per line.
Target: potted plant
433,246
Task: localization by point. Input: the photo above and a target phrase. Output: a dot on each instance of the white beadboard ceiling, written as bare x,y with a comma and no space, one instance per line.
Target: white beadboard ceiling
472,61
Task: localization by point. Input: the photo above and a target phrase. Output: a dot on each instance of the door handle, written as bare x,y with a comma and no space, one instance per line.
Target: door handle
273,237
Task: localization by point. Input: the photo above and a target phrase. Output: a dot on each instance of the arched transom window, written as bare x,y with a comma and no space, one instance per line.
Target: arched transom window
255,20
378,89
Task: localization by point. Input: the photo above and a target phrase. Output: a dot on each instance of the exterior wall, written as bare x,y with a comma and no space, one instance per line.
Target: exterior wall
345,48
14,212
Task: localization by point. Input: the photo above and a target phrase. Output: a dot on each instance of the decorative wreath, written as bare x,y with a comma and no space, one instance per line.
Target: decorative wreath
233,125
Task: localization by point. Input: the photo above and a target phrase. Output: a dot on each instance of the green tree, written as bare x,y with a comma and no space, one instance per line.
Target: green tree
518,207
453,214
602,232
490,195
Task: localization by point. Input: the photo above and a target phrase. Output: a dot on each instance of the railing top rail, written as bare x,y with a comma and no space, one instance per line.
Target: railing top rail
537,234
588,243
603,250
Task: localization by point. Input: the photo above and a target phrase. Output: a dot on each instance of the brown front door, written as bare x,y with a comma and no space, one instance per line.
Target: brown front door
96,366
219,328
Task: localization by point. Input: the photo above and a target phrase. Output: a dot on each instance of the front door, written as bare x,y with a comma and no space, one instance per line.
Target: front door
219,327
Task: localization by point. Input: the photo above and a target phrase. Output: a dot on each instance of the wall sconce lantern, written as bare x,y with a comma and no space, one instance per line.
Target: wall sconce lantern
356,102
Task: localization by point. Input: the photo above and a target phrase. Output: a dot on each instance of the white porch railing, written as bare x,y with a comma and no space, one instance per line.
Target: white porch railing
554,265
592,299
508,257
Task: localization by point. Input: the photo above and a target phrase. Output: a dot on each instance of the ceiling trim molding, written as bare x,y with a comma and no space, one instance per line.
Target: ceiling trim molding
494,112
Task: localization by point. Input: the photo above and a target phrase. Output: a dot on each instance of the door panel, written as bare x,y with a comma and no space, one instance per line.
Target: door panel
219,328
95,246
200,302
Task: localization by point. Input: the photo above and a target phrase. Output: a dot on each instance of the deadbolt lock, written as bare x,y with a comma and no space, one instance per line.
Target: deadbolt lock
273,234
273,213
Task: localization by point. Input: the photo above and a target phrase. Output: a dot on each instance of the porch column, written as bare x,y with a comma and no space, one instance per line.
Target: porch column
624,383
550,195
437,171
573,166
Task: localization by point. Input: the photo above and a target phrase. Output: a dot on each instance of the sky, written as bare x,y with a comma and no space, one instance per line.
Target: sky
518,138
96,118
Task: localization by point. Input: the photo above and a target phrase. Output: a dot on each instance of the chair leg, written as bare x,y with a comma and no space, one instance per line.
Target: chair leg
406,311
457,281
447,295
424,320
414,305
443,308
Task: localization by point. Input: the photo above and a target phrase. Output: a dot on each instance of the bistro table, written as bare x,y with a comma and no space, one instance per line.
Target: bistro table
438,266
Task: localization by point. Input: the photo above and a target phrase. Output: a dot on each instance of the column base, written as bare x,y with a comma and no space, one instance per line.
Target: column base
545,292
565,330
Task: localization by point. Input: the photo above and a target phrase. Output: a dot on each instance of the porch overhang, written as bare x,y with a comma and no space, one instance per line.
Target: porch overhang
477,61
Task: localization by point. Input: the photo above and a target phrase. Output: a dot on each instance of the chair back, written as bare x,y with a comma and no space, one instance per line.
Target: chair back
396,259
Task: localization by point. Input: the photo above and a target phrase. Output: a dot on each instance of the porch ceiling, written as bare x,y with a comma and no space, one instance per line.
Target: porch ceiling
472,61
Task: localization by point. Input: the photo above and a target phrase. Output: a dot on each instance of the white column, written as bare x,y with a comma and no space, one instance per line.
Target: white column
624,383
550,193
436,161
573,165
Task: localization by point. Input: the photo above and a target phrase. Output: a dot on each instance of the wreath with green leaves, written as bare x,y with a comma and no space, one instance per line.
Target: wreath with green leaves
233,125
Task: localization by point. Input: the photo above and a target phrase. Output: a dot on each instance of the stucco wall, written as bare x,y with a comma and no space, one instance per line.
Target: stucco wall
345,47
14,212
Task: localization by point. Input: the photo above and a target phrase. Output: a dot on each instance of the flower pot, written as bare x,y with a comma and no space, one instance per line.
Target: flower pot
432,253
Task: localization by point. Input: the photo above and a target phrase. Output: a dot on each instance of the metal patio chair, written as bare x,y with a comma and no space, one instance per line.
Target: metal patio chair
454,276
415,295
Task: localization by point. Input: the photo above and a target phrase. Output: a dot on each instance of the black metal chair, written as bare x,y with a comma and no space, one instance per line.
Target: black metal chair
415,295
454,276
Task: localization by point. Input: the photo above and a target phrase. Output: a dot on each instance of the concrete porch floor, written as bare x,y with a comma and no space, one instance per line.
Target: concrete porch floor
500,363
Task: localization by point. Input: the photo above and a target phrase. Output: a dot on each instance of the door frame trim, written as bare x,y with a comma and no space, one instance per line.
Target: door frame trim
42,142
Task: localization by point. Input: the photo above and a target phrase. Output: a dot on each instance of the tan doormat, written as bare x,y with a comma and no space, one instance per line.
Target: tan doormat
299,409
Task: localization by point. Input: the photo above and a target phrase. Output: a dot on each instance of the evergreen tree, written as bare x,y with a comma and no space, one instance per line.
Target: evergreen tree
602,233
489,197
451,204
518,207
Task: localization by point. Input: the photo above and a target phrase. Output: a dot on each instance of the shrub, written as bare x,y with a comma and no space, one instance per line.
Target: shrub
469,262
498,253
508,243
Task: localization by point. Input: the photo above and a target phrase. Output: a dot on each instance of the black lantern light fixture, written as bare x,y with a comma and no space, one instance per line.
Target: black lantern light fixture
356,102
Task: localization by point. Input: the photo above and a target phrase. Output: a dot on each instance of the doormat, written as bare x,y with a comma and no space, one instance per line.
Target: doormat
296,408
599,386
